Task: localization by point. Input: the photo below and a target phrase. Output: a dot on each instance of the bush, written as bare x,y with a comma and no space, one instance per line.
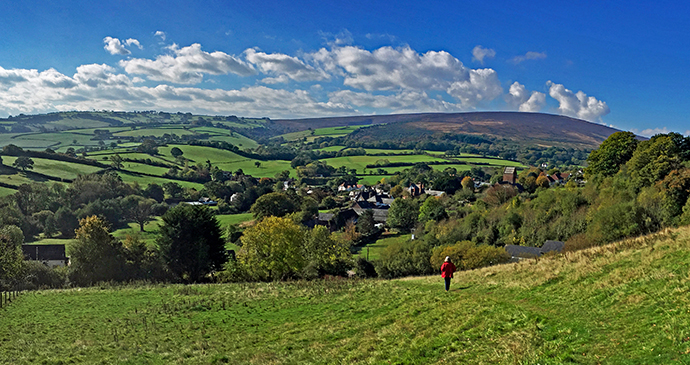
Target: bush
36,275
404,259
456,252
484,255
365,268
578,242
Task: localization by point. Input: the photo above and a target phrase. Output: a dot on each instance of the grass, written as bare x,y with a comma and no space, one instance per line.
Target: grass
625,303
6,191
359,162
320,132
228,219
61,169
374,249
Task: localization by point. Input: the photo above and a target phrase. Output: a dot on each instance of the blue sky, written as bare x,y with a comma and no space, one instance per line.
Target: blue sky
618,63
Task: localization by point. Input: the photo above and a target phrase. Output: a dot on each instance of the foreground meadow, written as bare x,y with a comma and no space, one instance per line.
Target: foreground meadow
625,303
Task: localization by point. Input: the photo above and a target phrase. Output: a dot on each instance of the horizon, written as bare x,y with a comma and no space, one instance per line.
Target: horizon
335,60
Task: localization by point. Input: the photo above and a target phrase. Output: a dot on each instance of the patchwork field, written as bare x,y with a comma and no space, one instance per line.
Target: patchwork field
624,303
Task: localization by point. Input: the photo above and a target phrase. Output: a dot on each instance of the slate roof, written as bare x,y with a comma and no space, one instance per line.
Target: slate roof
523,251
44,252
550,245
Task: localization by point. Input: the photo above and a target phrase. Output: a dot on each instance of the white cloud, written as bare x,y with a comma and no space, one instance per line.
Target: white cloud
577,104
482,86
479,53
97,86
284,66
651,131
187,65
521,99
528,56
132,41
161,34
114,46
389,68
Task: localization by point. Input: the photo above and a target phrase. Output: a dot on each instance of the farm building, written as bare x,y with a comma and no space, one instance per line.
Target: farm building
50,255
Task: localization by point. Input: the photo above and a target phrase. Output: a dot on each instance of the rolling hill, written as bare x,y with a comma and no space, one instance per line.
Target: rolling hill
523,128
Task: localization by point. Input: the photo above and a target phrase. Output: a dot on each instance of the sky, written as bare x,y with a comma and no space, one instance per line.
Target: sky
619,63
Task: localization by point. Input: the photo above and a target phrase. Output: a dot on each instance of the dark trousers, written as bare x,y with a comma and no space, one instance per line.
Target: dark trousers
447,283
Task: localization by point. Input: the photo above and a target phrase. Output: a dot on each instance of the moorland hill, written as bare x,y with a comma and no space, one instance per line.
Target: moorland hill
523,128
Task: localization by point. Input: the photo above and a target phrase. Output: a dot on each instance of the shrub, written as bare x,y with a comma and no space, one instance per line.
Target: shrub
365,268
578,242
484,255
456,252
36,275
404,259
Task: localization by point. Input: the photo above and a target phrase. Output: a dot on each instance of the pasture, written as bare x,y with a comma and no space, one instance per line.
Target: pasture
624,303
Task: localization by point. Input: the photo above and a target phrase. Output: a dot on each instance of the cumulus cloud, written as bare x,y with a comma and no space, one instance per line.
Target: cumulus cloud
389,68
114,46
284,66
132,41
187,65
577,104
482,86
528,56
99,86
521,99
479,53
651,131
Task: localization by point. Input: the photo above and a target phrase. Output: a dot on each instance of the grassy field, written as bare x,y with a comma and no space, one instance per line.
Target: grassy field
6,191
320,132
228,219
625,303
360,162
61,169
384,241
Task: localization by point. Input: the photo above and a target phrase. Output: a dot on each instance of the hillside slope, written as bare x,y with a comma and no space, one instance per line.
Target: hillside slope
528,128
625,303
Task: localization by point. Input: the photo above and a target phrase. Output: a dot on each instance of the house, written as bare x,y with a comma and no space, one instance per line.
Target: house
348,187
380,210
204,201
434,193
510,175
523,252
415,190
49,255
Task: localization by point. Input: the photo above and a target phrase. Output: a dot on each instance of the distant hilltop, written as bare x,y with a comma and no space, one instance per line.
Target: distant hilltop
522,128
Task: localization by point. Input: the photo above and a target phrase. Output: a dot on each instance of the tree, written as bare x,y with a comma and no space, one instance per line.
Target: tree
11,258
615,151
24,163
138,209
191,242
176,152
173,189
366,224
148,146
467,183
96,255
543,181
66,221
403,214
273,204
155,192
272,249
116,162
326,253
257,164
432,209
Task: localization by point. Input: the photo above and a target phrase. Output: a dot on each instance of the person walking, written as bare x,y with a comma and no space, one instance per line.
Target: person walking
447,270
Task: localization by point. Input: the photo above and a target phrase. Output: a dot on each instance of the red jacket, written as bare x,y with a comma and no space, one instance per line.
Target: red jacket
447,270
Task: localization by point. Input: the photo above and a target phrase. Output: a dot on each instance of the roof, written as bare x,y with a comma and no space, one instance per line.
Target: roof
325,217
550,245
523,251
509,170
44,252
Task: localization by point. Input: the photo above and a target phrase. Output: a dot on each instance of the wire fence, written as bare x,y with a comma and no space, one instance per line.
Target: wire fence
6,297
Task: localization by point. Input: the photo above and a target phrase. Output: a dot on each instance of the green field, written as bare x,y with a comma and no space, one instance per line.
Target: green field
61,169
625,303
228,219
360,162
375,249
156,132
145,180
320,132
6,191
